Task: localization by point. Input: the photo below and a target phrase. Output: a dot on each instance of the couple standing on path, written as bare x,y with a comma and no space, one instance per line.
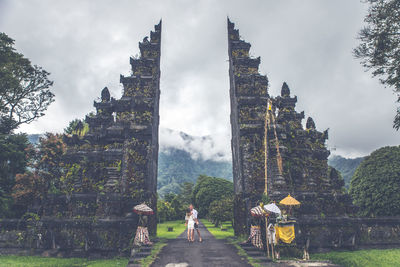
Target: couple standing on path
192,223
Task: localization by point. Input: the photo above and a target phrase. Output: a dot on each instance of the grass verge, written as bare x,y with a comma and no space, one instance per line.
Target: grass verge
37,261
362,258
178,228
216,231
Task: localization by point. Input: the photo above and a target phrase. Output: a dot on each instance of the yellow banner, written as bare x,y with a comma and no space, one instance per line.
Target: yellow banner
285,233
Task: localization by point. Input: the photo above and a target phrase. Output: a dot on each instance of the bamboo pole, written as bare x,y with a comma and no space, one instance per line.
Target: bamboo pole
266,227
272,248
266,150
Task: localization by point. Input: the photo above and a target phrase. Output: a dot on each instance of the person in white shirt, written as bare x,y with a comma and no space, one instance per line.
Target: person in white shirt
196,222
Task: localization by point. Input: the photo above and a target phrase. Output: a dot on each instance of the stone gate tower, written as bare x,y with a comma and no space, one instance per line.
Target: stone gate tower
110,164
249,102
271,151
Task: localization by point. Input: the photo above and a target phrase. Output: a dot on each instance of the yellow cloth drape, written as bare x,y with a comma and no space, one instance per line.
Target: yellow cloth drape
285,233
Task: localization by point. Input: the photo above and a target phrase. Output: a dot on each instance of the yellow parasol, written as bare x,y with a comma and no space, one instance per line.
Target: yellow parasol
289,201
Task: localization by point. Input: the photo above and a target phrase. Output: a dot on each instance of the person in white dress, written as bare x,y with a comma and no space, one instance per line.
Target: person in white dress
190,225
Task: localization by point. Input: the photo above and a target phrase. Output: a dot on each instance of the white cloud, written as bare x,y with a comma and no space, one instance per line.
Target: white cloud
199,147
87,44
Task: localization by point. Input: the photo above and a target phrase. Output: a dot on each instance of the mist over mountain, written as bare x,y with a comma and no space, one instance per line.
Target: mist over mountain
199,147
184,157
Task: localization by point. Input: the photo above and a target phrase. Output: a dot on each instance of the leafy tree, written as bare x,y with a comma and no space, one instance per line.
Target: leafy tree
24,89
178,207
379,49
49,162
221,210
28,187
171,207
77,126
45,171
375,186
169,197
186,192
15,151
15,154
164,211
209,189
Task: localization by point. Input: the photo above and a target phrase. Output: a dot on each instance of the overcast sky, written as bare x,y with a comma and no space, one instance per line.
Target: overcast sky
87,44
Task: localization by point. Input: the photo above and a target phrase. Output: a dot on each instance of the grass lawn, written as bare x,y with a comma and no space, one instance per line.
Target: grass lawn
36,261
216,231
362,258
178,228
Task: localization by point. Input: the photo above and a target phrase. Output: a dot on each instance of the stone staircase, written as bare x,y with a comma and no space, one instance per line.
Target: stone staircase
137,254
255,253
113,179
261,258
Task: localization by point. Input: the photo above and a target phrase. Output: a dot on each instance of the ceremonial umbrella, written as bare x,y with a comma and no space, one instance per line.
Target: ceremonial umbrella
143,209
271,207
289,201
257,212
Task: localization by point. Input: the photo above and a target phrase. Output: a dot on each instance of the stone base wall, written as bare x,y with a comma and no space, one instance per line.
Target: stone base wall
68,237
344,233
112,237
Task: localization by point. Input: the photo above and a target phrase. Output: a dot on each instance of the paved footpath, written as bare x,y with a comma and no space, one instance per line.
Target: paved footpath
214,253
211,252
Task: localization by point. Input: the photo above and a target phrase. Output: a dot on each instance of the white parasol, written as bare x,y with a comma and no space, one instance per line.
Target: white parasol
271,207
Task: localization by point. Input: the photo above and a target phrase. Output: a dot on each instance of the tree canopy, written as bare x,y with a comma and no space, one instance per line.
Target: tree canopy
375,186
379,49
209,189
221,210
43,176
24,89
15,153
77,126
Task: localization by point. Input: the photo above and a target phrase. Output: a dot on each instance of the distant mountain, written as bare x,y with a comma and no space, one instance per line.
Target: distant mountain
34,138
176,166
346,166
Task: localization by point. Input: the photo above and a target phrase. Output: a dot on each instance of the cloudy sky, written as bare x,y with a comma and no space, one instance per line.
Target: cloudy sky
87,44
